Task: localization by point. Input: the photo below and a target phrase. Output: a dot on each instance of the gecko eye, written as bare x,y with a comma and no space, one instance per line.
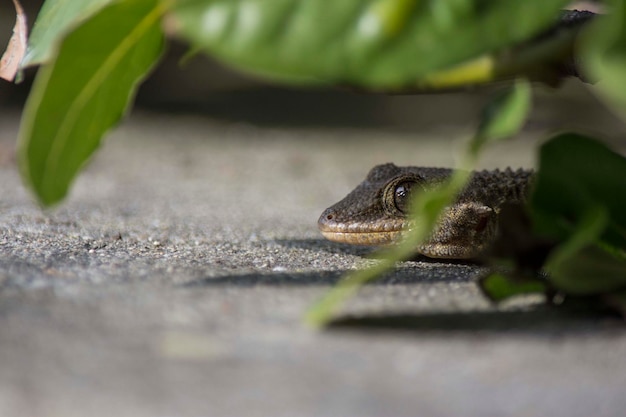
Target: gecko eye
396,196
402,195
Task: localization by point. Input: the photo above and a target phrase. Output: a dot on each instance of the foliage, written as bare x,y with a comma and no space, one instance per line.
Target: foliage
379,44
578,203
84,91
55,21
376,44
604,55
93,55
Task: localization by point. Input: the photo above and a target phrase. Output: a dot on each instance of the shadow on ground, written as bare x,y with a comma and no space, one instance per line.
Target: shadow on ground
369,252
404,276
543,320
323,245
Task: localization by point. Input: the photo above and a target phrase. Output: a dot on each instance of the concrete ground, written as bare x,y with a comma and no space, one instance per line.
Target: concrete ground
173,282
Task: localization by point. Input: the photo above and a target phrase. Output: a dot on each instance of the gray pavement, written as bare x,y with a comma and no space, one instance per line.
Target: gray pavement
173,281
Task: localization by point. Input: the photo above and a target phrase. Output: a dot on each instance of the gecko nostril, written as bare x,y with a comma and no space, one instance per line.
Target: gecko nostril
327,219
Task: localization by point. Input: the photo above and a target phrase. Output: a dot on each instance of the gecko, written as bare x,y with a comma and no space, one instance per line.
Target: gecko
376,211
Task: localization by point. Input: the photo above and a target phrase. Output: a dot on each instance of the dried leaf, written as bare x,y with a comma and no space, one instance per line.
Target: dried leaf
10,61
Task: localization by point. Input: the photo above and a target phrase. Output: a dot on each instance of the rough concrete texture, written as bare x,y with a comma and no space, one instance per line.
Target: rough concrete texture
173,281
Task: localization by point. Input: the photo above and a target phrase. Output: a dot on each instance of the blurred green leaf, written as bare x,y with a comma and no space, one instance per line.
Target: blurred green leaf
604,53
504,116
584,234
55,20
499,287
85,91
577,175
579,203
579,266
589,271
385,44
580,199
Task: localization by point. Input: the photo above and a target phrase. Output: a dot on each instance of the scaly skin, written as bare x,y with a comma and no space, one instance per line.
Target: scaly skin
374,213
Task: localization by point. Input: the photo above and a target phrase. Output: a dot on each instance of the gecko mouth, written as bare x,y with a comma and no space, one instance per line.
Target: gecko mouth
361,233
363,238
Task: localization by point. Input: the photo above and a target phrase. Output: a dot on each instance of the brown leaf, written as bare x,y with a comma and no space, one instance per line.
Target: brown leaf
10,61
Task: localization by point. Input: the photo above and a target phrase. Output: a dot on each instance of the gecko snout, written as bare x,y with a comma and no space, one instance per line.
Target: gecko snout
327,219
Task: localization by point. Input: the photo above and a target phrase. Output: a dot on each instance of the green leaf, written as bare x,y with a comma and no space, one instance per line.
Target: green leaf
84,92
580,199
604,53
584,234
579,266
55,20
590,271
320,313
576,176
499,287
504,116
384,44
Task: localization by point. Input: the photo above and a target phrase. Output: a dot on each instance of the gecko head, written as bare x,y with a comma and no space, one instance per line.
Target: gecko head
375,212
